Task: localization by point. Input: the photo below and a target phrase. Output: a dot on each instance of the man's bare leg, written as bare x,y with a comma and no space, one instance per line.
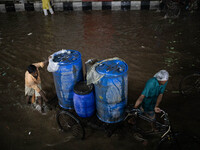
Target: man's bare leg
28,99
152,123
40,101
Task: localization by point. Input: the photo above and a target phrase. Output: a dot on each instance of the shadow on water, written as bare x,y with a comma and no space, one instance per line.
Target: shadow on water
143,39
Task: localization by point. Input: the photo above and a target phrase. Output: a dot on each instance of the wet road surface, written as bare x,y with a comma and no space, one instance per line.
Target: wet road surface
145,40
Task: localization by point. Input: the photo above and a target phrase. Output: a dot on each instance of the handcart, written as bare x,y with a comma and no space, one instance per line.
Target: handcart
107,72
69,122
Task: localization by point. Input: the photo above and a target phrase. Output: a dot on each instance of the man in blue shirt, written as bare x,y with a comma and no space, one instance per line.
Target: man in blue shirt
152,94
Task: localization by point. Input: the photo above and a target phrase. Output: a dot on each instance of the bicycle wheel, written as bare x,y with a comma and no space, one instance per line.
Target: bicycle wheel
179,142
70,124
190,85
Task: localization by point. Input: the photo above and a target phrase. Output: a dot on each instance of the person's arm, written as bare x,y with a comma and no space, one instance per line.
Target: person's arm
139,101
43,96
36,88
46,61
43,63
40,64
159,99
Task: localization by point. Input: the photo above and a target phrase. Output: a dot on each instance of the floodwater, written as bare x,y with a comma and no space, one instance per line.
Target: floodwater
145,40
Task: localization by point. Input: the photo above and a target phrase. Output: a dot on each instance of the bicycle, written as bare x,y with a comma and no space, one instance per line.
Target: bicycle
71,123
169,140
164,128
190,85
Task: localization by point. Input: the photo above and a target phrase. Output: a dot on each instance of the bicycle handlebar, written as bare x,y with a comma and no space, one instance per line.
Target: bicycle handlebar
136,110
162,111
129,110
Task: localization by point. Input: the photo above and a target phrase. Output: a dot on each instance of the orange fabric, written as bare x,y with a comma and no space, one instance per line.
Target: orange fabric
32,82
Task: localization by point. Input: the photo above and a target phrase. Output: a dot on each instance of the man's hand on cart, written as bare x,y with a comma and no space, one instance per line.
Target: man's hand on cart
157,109
132,109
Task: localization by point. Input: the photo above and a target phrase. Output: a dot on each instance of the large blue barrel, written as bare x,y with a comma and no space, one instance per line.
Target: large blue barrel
111,90
84,101
68,74
111,113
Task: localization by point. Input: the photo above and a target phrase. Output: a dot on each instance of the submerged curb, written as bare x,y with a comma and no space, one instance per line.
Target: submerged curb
82,6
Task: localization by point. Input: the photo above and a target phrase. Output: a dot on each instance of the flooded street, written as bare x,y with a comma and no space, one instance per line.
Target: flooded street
146,41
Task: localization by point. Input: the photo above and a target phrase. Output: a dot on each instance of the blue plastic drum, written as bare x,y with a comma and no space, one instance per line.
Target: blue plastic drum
68,74
111,91
84,101
111,113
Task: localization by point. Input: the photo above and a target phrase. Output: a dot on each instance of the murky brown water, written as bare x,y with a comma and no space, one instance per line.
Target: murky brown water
143,39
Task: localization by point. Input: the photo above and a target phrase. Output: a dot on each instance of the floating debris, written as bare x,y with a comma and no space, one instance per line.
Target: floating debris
142,46
29,133
29,34
172,42
171,61
173,52
175,92
4,74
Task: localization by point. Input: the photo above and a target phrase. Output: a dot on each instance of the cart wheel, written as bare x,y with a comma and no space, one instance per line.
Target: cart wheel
190,85
70,124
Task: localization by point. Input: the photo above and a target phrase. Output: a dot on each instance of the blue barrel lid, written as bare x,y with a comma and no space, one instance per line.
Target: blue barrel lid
112,67
66,56
81,88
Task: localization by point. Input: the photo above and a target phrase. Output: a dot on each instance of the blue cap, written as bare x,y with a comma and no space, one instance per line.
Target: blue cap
112,67
66,56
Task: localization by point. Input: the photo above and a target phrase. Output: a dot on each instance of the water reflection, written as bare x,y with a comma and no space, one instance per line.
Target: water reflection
143,39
